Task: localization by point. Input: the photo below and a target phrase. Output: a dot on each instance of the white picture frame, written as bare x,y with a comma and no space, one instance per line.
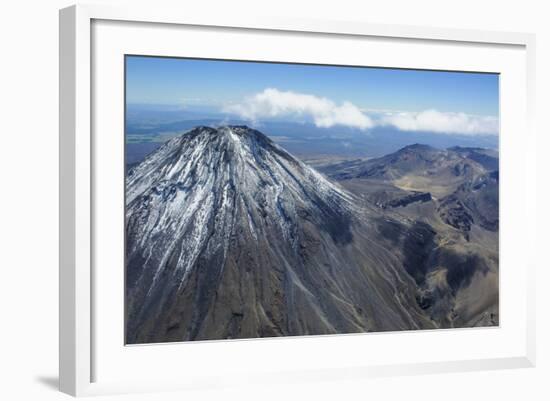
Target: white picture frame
78,163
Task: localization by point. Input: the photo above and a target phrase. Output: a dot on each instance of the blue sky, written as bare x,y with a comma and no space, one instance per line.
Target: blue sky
432,97
172,81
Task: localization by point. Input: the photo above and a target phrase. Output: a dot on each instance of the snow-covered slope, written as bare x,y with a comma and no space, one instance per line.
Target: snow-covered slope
207,171
228,235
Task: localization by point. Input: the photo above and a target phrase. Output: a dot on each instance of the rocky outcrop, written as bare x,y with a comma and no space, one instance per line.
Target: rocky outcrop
414,197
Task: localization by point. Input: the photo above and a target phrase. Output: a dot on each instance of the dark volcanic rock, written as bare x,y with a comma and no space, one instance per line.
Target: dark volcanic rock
474,202
408,199
454,213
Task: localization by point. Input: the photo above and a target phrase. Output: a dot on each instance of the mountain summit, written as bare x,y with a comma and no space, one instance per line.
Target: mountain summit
230,236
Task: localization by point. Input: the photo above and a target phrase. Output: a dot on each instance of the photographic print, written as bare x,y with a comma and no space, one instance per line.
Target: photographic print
280,199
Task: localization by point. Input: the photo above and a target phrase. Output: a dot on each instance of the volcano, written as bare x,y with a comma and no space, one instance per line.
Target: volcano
230,236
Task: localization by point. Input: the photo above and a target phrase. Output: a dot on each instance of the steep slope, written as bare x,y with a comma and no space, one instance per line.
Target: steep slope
473,202
229,236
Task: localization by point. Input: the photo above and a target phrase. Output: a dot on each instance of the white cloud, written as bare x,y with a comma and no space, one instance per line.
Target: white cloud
324,112
444,123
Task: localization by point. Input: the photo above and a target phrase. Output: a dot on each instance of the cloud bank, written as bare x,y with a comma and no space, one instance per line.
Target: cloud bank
325,113
444,123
